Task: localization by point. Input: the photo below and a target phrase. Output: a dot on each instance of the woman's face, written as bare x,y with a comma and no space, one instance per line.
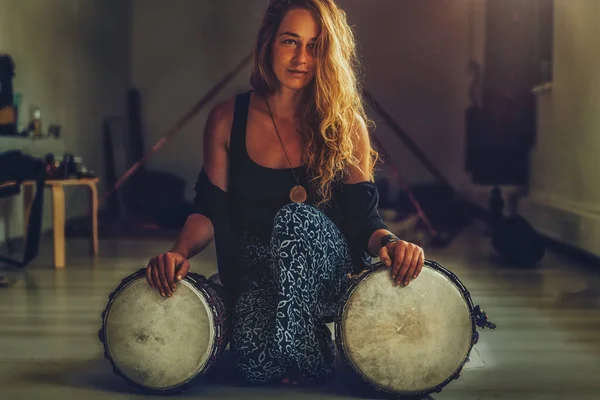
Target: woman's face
293,49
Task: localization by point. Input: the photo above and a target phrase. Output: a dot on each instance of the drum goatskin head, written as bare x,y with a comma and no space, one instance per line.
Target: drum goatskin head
159,342
406,340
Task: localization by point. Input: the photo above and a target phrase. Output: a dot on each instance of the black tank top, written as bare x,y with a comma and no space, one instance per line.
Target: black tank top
257,192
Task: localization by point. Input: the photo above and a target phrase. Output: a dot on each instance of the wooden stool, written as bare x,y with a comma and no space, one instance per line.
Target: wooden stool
58,212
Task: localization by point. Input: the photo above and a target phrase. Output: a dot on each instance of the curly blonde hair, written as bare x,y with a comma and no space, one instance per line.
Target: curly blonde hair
333,104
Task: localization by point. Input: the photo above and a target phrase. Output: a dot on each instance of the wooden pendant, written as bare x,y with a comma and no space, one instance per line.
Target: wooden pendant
298,194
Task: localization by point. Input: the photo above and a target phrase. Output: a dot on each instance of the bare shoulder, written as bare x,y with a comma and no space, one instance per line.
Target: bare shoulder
217,136
361,135
219,123
362,152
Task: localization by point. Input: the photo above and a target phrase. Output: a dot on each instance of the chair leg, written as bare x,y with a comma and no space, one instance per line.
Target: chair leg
58,215
94,212
28,196
34,224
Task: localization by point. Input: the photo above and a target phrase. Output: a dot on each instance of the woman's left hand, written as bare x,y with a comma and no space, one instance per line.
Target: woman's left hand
405,259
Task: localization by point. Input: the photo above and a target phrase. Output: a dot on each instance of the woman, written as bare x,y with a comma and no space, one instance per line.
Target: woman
287,192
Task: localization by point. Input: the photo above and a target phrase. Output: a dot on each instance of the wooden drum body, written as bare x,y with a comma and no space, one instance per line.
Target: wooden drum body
163,345
411,340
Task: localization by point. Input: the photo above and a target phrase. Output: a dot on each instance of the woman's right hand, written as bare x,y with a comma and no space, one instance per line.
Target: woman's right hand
165,270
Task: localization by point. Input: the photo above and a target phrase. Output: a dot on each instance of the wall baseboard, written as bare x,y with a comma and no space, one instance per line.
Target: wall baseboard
571,224
569,228
569,250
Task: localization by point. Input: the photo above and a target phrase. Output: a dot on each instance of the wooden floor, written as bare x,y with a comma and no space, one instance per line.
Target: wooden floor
547,345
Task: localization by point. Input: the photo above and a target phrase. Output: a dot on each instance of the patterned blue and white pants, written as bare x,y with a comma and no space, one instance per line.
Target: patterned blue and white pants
291,285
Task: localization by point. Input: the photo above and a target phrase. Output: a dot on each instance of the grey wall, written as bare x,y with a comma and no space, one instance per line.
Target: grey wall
564,200
415,55
75,59
72,60
182,48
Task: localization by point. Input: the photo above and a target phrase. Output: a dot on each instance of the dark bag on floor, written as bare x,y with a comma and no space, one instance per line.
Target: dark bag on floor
17,167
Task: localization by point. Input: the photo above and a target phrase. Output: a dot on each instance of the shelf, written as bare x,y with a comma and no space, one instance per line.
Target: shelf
34,147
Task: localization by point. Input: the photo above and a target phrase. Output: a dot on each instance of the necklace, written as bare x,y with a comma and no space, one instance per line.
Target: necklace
298,193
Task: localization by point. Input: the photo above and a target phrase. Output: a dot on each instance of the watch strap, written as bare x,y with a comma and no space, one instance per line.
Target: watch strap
389,238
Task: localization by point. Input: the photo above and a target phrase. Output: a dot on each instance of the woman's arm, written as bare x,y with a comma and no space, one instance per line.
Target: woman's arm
198,230
165,269
362,174
195,236
406,259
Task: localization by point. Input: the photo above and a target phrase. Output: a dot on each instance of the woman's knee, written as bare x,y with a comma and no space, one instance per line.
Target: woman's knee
293,213
296,219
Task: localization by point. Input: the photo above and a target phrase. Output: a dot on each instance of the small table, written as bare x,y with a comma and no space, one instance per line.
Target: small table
58,211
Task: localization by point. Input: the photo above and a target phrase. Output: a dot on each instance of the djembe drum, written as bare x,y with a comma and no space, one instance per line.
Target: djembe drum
408,341
163,345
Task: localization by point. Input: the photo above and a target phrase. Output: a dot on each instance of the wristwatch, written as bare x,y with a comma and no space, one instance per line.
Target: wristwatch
387,239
